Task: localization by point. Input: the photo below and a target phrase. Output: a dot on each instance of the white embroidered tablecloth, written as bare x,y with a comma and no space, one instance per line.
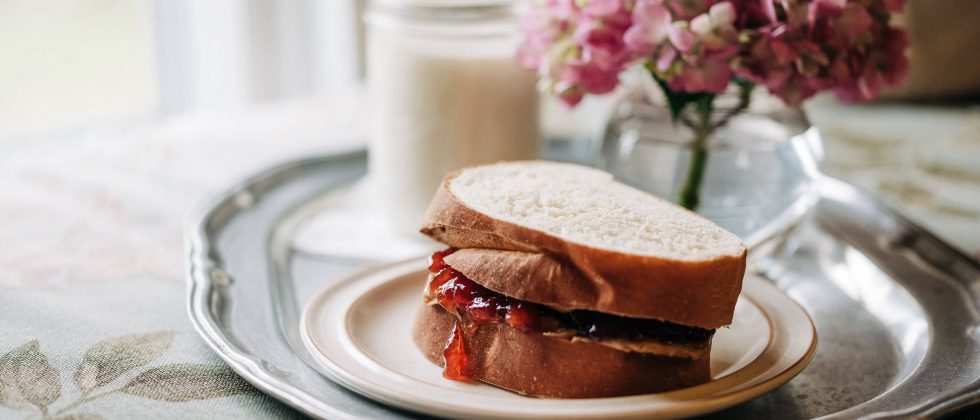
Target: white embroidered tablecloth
92,314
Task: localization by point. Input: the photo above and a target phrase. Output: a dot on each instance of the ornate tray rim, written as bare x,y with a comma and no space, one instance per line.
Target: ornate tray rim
198,249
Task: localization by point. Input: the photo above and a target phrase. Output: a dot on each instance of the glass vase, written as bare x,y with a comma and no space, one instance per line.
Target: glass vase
759,179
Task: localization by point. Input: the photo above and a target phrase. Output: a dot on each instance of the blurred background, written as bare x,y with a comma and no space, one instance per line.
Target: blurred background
255,71
74,64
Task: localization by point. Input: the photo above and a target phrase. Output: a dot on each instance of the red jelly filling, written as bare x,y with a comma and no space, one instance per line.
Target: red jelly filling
477,304
455,356
458,294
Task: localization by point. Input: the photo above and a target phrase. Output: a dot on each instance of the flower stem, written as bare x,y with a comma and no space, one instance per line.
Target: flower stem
690,195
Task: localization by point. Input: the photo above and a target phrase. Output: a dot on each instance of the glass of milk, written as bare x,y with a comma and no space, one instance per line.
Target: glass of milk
445,93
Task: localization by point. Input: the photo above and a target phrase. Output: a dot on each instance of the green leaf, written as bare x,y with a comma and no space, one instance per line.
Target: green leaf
27,379
187,382
745,86
677,101
108,359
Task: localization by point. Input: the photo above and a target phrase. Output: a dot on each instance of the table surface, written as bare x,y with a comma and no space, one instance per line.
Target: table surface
92,291
92,317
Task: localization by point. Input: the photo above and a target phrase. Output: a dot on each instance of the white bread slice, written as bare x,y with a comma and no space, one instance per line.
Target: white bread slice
644,256
542,366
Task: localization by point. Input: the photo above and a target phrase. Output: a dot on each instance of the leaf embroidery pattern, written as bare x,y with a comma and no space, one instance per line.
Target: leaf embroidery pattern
27,379
29,382
108,359
185,382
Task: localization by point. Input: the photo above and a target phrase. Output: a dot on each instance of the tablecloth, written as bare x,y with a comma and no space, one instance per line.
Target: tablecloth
92,291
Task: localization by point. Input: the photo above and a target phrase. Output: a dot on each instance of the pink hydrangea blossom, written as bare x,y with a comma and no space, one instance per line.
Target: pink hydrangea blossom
838,45
651,22
795,48
577,47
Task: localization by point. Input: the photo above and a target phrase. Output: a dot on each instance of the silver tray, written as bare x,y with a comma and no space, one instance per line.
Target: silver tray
896,309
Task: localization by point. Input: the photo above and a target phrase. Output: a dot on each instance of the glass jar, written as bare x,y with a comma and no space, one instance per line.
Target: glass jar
445,93
761,170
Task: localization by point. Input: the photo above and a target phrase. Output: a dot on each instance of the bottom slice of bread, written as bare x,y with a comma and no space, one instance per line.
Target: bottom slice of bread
542,366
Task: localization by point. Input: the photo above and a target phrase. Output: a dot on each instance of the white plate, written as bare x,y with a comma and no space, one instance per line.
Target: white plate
359,333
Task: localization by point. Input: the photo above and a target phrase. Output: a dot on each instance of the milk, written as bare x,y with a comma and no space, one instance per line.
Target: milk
442,99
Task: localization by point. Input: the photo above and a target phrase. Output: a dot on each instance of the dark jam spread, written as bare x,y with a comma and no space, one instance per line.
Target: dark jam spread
476,304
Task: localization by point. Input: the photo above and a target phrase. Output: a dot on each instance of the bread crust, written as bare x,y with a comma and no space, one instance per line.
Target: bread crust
696,293
541,366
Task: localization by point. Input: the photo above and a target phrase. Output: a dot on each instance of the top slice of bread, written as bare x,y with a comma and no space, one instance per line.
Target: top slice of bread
646,257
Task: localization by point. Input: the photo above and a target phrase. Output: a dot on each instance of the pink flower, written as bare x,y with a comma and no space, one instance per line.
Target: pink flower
688,9
768,8
861,79
602,44
681,37
601,8
716,29
596,79
542,27
571,96
577,47
651,21
844,46
709,76
705,47
664,59
795,48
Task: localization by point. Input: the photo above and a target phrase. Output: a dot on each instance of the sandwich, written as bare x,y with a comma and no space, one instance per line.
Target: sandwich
559,282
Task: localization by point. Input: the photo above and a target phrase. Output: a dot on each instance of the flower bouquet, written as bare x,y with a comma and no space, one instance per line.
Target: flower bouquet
697,49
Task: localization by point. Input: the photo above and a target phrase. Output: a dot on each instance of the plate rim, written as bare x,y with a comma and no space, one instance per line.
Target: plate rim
685,407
